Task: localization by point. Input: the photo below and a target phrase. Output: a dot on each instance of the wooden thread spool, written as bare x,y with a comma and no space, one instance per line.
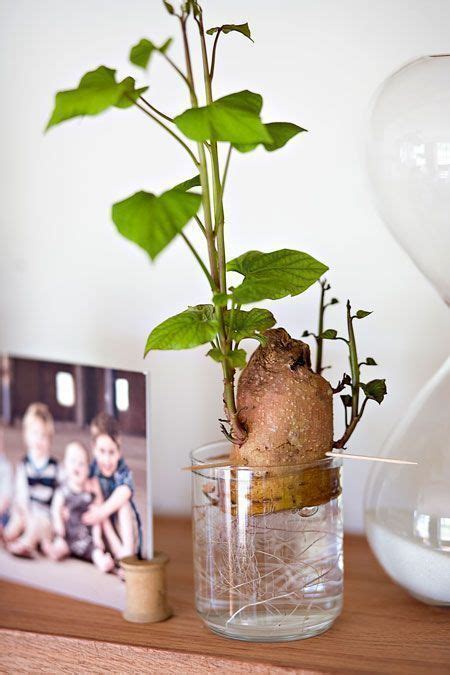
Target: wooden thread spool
146,594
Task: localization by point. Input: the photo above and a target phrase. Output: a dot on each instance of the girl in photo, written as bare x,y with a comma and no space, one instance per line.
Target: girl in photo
70,503
117,488
36,477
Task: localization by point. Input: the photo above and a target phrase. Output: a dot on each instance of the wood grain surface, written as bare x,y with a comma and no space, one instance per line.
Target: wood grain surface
382,629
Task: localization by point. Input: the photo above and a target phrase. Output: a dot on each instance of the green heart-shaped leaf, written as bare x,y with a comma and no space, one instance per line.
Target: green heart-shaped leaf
329,334
97,91
249,324
361,314
192,5
234,119
274,275
369,362
236,358
130,93
281,133
376,390
141,53
215,354
152,221
169,7
221,299
232,28
191,328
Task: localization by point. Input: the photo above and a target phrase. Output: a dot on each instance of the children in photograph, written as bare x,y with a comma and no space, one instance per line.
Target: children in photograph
70,502
6,482
117,487
36,477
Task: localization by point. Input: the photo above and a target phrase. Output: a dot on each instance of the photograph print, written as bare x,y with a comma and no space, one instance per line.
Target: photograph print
73,447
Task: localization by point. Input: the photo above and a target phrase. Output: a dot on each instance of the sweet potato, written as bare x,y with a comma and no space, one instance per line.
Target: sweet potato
287,411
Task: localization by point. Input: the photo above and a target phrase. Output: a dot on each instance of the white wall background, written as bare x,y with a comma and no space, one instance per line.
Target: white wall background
72,289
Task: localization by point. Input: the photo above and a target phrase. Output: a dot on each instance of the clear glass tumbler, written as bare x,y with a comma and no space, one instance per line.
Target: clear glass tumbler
265,572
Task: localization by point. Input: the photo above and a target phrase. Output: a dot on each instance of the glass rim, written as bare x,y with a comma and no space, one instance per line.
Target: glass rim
195,460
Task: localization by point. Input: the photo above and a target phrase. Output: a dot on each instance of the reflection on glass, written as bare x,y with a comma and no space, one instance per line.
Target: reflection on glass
409,162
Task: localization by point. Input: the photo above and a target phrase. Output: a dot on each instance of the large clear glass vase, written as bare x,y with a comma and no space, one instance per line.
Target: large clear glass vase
263,574
408,508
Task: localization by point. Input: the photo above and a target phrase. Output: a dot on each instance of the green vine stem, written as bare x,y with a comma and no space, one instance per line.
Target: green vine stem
374,390
214,230
354,365
321,336
169,131
198,259
350,428
324,286
156,110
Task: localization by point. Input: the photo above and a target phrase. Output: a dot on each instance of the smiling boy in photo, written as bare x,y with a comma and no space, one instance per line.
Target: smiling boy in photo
117,487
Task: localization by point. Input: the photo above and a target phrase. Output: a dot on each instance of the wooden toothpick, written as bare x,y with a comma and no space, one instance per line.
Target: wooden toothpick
207,465
341,455
369,458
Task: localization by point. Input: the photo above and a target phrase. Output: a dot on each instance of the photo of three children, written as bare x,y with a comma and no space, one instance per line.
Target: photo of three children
82,509
69,498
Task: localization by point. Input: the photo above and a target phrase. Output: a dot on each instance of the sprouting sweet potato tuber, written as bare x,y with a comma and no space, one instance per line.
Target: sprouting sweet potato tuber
287,411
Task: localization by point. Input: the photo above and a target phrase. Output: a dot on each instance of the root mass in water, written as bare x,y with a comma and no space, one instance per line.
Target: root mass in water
277,569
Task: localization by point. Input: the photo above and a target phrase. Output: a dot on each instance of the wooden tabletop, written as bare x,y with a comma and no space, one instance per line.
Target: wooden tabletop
381,630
